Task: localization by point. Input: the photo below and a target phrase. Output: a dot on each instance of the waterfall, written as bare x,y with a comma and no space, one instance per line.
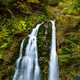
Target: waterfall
27,66
53,64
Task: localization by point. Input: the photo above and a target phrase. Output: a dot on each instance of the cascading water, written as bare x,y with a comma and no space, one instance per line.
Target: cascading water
27,66
53,64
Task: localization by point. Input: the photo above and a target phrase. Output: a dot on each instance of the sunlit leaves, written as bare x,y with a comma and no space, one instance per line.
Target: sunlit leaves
20,25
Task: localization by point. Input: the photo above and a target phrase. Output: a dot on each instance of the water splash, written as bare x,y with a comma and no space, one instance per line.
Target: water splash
53,64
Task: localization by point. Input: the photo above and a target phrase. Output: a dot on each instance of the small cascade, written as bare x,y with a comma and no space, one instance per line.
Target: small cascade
27,66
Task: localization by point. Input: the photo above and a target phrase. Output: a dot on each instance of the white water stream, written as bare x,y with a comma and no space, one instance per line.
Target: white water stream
53,64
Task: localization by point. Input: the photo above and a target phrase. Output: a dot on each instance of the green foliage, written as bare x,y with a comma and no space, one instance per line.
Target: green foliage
6,2
65,50
76,4
70,6
69,45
